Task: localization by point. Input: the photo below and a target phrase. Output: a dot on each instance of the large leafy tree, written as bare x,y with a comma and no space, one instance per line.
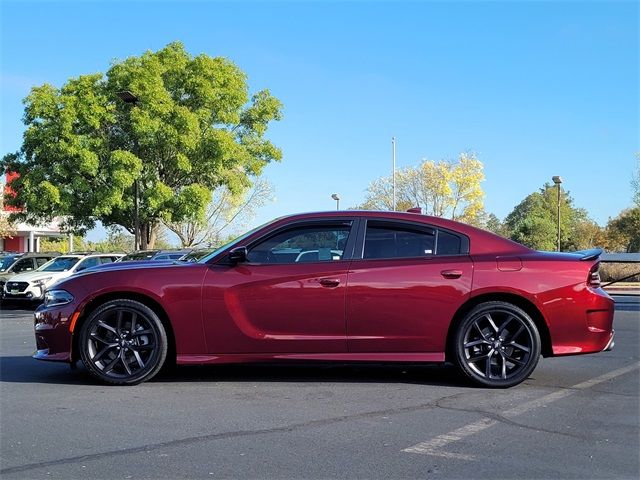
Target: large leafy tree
534,222
193,128
444,189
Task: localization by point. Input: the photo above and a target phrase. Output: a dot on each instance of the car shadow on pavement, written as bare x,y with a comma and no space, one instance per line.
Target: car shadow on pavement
24,369
426,374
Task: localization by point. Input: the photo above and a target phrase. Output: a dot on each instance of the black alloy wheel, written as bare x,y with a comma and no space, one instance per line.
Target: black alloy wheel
497,345
123,342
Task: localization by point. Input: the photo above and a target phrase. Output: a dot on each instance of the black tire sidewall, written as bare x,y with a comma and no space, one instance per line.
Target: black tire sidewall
150,369
489,307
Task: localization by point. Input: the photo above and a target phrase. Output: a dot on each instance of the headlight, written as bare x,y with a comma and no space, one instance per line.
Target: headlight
57,297
41,282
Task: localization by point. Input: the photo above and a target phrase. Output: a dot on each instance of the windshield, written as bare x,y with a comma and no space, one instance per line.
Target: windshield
6,262
235,241
59,264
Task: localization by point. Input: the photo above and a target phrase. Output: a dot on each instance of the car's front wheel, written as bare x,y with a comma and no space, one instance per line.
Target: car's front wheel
123,342
497,345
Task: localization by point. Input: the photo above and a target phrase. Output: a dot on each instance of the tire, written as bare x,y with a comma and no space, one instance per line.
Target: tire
123,342
497,345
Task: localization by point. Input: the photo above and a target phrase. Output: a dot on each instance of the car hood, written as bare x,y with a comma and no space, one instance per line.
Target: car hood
132,264
37,275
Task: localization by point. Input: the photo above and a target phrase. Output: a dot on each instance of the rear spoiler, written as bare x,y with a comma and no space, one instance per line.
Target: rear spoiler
591,254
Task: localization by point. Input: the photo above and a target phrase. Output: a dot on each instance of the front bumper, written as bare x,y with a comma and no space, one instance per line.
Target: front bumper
53,336
30,294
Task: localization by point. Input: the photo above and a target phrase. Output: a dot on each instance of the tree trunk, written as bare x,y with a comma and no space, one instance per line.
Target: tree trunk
148,235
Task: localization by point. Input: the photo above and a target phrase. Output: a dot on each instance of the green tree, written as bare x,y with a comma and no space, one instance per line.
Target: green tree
623,232
443,189
534,222
492,223
192,129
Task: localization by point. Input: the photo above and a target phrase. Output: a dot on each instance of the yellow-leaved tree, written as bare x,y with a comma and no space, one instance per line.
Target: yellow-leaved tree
444,188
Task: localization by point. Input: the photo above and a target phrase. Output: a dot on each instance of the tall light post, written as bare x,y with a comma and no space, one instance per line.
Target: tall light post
336,197
558,180
127,97
393,147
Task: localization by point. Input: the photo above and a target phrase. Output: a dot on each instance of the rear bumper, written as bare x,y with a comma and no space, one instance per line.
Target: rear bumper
581,322
611,343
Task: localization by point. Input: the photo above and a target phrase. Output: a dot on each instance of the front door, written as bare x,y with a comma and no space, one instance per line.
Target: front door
288,297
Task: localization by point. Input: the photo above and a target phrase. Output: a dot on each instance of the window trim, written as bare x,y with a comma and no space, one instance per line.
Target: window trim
362,232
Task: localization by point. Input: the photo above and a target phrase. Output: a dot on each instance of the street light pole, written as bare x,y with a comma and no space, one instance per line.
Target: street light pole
393,144
127,97
558,180
336,197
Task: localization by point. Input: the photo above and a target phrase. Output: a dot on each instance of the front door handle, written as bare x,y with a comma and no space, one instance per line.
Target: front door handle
329,282
451,273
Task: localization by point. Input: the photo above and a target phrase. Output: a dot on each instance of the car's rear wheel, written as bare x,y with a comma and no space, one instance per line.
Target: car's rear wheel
497,345
123,342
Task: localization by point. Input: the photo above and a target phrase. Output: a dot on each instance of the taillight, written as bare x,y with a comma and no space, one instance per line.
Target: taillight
593,280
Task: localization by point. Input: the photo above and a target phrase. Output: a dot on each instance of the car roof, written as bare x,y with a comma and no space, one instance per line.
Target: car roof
484,242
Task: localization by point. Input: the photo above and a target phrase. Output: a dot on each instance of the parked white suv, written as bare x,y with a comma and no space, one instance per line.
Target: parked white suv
31,285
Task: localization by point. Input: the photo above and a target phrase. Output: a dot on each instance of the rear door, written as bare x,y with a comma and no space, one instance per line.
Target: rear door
405,284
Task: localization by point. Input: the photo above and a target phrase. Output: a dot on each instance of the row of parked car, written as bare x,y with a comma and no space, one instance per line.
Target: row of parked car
26,276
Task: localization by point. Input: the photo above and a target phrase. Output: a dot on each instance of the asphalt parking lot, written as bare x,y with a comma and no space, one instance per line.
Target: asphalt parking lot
576,417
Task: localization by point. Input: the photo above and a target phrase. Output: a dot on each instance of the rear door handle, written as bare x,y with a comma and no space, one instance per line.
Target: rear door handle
451,273
329,282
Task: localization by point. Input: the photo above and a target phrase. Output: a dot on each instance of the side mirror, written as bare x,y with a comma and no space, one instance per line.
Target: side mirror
238,254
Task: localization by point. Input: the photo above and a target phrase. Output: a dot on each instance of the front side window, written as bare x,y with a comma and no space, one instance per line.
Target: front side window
384,240
304,244
23,265
88,263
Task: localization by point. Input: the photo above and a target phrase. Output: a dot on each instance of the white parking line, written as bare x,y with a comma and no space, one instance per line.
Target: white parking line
433,446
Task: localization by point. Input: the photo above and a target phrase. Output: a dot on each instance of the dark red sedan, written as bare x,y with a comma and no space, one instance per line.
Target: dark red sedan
336,286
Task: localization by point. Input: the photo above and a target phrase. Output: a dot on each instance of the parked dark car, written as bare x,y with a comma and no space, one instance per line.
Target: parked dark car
143,255
336,286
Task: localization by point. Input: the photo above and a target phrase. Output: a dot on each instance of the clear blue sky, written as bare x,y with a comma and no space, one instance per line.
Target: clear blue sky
534,88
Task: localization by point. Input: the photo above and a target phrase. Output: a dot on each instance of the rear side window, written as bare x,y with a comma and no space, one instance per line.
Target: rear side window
383,240
104,260
448,243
